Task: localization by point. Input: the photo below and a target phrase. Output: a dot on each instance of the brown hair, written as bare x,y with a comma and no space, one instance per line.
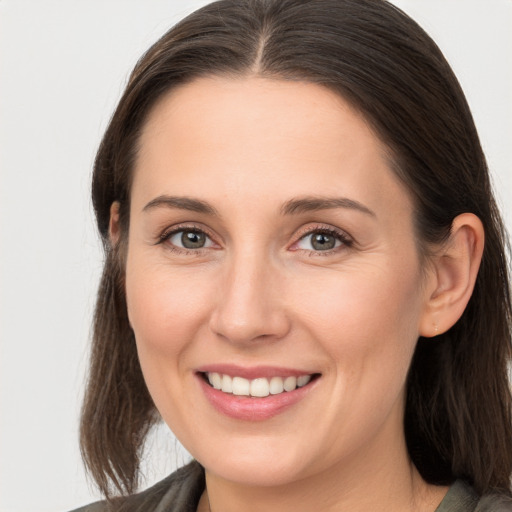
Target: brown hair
458,410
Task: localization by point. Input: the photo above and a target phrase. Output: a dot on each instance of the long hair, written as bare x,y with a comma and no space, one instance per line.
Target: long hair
458,407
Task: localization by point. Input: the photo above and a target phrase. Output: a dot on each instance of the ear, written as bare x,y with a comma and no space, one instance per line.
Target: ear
114,229
455,268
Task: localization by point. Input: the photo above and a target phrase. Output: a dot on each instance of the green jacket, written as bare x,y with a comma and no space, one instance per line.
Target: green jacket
180,492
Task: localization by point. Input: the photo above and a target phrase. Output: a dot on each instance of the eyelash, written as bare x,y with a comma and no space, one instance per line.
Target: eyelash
169,233
346,241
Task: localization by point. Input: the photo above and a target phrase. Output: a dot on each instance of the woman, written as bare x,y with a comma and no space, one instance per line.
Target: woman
305,271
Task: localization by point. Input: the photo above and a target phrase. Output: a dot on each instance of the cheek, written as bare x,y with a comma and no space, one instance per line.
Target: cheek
166,312
365,316
166,309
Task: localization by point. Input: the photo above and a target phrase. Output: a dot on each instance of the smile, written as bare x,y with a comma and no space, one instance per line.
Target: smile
260,387
254,393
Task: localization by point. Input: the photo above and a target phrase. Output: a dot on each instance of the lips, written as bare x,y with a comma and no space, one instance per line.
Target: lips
254,394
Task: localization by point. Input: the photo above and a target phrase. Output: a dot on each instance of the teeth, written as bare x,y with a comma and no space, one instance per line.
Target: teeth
276,385
290,383
303,380
215,380
227,384
241,386
260,387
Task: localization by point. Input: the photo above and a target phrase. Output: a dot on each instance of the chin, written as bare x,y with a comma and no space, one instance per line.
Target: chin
257,467
266,474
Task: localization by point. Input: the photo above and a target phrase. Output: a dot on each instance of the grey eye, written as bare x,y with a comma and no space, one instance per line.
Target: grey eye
322,241
190,239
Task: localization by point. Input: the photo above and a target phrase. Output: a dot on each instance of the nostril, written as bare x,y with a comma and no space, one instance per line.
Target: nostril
250,328
249,306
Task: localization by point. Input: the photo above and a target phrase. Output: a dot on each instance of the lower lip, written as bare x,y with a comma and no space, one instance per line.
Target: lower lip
248,408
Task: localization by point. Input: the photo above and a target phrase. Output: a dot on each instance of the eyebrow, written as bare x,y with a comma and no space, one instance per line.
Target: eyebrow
292,207
182,203
314,203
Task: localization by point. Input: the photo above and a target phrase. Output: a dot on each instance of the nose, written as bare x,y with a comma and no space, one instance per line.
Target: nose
251,302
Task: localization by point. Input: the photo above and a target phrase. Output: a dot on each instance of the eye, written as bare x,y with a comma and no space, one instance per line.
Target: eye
188,239
322,240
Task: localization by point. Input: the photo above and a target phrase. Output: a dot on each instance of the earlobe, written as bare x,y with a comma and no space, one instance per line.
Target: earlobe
114,229
455,268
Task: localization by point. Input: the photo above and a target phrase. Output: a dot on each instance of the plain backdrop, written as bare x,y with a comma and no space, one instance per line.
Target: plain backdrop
63,65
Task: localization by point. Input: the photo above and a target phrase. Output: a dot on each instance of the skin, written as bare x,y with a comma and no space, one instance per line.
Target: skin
259,293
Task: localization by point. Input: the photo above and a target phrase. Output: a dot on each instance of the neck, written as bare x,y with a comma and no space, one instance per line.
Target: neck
375,481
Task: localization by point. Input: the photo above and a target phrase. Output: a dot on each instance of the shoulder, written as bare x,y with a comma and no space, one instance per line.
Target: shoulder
461,497
494,503
181,490
99,506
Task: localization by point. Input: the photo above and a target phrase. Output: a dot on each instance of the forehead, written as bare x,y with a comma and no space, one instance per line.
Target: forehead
259,137
258,109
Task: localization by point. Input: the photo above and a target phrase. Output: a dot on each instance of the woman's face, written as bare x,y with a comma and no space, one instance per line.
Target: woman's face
270,244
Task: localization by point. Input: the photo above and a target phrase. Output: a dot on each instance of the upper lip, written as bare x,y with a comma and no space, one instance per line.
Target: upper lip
253,372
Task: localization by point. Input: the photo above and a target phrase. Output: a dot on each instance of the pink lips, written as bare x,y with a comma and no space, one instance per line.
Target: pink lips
253,372
249,408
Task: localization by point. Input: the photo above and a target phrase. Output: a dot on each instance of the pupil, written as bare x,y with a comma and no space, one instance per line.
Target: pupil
192,240
323,242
